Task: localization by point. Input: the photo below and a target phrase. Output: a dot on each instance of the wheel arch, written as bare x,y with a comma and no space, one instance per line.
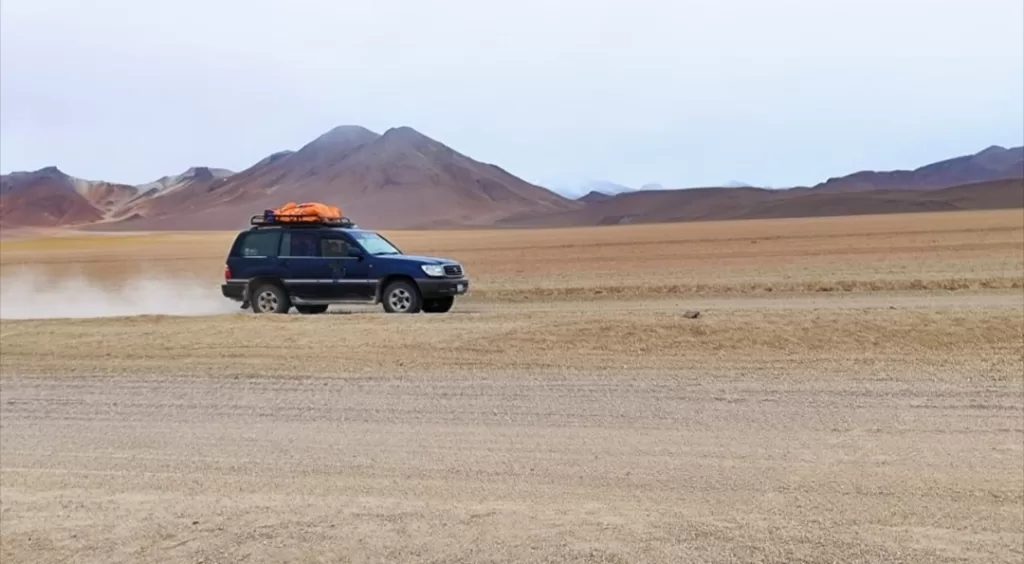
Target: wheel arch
257,281
387,280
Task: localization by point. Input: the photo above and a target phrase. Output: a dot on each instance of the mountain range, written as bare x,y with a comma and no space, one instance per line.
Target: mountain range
588,187
404,179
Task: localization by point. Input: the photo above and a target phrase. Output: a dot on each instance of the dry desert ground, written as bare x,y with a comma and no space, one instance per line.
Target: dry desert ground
853,391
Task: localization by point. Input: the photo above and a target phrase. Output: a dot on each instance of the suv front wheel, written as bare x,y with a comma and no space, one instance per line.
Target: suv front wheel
402,296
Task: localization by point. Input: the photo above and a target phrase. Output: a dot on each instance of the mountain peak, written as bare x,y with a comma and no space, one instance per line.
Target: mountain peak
407,134
274,158
403,130
198,172
998,157
347,132
594,196
992,163
406,140
342,137
992,150
50,171
583,188
205,173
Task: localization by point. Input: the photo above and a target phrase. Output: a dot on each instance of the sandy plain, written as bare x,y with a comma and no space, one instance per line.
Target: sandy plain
853,391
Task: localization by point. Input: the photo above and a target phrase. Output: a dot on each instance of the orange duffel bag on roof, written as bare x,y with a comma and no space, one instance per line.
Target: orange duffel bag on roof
309,211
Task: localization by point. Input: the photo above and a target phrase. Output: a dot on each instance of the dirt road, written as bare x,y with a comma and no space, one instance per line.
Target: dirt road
783,429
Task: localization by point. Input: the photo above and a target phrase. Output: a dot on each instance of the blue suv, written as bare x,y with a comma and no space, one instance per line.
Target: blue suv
274,266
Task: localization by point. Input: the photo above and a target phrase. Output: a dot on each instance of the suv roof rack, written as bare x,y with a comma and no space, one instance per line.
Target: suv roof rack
268,218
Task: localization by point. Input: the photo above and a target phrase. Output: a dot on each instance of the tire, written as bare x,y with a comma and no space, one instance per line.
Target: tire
402,296
311,309
270,298
438,305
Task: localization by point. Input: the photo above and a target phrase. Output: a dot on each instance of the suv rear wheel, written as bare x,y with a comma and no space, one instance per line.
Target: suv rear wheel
438,305
402,296
270,298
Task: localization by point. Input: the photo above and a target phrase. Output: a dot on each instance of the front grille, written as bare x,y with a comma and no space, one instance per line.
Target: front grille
453,270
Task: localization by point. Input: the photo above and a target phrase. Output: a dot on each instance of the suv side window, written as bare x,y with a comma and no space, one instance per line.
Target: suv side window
260,244
300,244
334,247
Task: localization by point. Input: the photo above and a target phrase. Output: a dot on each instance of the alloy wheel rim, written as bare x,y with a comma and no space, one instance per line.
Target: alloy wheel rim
400,299
267,301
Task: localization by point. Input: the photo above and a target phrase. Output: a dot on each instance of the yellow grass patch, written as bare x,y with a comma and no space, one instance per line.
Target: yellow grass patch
942,251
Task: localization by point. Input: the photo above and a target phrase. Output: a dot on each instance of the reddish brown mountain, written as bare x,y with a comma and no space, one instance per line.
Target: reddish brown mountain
105,196
704,204
404,179
195,180
993,163
593,196
646,206
49,198
399,179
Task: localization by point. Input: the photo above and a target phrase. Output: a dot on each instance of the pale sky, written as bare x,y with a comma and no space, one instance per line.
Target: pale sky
684,93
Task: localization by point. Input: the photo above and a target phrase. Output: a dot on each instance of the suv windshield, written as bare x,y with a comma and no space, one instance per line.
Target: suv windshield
375,244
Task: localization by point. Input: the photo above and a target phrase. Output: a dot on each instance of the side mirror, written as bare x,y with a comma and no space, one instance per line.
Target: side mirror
356,252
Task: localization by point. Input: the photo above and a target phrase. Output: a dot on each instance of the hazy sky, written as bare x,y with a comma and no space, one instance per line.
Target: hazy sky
685,92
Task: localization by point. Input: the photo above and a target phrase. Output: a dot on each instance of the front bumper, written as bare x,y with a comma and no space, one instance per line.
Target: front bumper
431,288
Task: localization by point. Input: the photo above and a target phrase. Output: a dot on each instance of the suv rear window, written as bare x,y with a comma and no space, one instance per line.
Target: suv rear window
259,244
299,244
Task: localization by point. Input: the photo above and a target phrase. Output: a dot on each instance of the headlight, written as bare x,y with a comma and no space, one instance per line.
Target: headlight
433,269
